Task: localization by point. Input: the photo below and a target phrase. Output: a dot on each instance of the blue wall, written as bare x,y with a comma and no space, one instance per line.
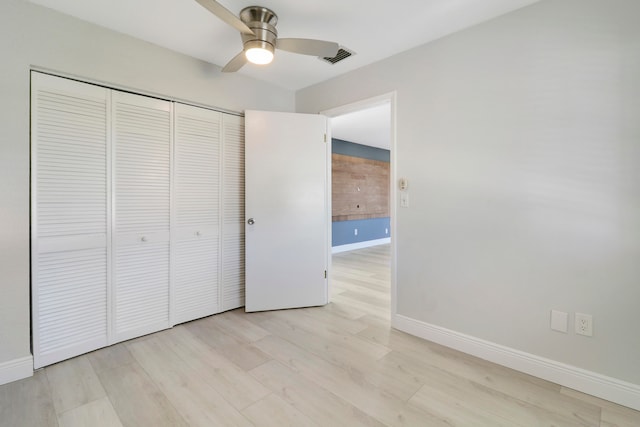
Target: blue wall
338,146
368,229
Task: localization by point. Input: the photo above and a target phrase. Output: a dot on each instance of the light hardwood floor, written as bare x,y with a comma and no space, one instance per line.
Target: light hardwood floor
338,365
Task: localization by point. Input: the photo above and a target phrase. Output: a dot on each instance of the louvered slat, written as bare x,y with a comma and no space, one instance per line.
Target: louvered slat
233,167
142,159
142,289
195,279
233,213
197,212
233,271
71,303
69,226
142,137
70,171
197,158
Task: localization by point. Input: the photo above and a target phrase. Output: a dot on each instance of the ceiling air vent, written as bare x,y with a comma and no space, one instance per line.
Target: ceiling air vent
343,53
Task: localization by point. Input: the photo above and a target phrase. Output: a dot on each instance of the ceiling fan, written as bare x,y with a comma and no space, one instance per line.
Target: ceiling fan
257,26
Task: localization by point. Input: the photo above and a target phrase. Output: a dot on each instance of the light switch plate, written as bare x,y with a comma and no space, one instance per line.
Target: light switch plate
404,199
559,321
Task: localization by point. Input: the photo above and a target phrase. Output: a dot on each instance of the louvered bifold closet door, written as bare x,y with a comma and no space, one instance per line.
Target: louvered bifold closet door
69,132
142,138
232,212
196,225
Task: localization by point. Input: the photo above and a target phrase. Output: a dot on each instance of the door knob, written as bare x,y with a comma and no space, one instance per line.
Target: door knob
250,221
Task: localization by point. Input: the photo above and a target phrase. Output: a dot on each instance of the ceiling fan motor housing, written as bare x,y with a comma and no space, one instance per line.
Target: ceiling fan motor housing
262,22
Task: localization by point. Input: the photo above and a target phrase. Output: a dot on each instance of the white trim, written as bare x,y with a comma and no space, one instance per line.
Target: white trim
173,214
359,105
135,90
589,382
393,204
360,245
328,197
16,369
390,97
111,224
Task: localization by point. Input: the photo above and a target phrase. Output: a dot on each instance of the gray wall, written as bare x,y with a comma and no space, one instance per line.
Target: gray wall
31,35
339,146
520,138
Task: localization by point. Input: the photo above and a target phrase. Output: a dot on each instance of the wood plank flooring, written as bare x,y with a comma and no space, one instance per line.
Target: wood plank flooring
338,365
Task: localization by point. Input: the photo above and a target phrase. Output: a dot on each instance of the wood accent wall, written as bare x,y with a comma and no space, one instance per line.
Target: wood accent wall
360,188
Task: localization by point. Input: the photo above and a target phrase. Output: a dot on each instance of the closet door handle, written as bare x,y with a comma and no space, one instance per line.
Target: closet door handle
250,221
143,239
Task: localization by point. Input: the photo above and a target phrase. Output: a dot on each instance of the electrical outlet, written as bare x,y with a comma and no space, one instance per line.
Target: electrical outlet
584,324
355,231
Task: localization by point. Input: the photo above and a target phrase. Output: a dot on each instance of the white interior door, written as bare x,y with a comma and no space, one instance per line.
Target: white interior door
287,210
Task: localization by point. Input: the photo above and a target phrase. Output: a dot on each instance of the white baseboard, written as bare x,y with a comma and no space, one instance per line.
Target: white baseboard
16,369
589,382
360,245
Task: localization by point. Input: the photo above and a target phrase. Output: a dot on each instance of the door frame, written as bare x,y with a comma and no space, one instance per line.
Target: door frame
391,98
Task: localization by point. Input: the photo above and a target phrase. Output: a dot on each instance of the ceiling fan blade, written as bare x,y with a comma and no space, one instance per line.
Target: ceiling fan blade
236,63
226,15
309,47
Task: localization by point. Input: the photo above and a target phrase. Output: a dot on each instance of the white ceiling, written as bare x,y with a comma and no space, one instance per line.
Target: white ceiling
369,126
374,29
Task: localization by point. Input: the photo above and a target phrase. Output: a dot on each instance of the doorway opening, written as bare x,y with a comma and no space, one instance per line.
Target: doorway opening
363,197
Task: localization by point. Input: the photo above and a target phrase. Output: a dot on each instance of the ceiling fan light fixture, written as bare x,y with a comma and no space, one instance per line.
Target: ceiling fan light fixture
258,55
258,52
257,26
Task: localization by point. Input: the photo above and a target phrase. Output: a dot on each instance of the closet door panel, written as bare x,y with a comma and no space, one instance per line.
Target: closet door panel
142,289
196,222
72,294
142,137
69,131
233,213
196,279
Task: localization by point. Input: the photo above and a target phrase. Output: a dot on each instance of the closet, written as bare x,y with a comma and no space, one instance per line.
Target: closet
137,215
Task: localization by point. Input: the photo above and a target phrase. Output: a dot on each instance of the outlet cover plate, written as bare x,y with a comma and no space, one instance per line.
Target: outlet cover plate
584,324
